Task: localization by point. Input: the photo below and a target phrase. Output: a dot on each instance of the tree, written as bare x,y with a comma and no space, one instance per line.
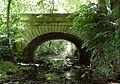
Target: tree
102,6
95,22
8,19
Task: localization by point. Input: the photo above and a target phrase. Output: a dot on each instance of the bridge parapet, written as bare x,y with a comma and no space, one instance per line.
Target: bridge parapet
39,24
48,19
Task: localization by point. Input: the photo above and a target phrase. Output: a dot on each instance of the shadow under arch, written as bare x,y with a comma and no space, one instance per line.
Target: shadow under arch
84,57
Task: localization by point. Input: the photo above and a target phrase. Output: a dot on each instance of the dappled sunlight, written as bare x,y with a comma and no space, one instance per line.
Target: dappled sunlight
59,41
56,50
46,6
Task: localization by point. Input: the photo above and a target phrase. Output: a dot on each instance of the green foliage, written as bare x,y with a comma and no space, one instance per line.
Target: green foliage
56,63
53,46
7,66
8,44
71,5
102,31
105,70
107,3
101,36
9,37
2,74
85,21
4,46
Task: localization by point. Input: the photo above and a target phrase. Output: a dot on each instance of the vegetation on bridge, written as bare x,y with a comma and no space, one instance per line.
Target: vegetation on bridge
100,21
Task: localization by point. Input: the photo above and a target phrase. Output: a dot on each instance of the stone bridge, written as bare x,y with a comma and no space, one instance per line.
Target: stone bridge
39,28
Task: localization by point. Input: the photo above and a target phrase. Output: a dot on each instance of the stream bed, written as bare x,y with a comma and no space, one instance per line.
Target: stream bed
47,74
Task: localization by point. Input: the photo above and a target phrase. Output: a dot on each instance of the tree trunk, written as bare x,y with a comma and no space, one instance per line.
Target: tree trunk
114,4
102,6
8,15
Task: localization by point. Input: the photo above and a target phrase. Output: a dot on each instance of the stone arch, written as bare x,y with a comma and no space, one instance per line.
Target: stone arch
28,54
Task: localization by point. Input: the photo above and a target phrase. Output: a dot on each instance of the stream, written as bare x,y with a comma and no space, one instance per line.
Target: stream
48,72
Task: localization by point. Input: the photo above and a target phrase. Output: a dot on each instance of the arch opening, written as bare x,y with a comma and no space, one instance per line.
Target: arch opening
84,57
56,46
58,52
